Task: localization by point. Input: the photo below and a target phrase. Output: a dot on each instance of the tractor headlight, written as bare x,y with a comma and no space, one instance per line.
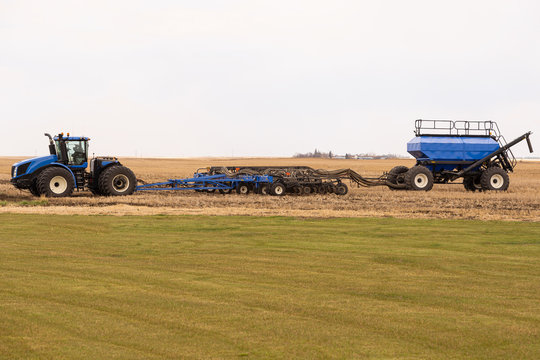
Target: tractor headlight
15,171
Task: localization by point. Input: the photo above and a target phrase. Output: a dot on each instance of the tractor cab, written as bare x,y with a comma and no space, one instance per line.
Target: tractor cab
70,150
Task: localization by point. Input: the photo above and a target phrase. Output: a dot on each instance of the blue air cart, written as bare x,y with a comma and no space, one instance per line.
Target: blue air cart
446,151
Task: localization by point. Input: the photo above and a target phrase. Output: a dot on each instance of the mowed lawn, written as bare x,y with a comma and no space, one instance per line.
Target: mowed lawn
91,287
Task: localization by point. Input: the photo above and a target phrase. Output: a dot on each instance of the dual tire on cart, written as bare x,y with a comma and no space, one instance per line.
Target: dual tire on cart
396,176
419,178
493,179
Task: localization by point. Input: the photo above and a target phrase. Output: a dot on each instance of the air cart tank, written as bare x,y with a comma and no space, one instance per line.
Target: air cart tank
453,146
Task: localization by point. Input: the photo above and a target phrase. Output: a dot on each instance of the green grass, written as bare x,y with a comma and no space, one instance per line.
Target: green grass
244,287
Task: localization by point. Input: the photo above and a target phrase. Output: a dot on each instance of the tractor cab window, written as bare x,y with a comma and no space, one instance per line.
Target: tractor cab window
76,152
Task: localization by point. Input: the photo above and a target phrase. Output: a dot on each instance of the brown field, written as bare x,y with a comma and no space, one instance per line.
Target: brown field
520,202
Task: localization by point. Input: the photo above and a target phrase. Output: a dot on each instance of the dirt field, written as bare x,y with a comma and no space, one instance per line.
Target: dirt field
520,203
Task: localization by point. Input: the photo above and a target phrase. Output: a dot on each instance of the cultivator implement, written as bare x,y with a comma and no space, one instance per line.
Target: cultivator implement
274,180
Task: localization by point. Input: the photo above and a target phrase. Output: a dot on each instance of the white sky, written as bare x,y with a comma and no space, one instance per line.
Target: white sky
262,78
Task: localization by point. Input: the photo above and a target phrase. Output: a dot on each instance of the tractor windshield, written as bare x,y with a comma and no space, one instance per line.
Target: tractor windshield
76,151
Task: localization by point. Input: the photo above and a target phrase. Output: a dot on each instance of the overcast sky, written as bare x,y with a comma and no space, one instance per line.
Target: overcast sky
262,78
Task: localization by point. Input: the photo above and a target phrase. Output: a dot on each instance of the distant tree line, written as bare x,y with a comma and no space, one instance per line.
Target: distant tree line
331,155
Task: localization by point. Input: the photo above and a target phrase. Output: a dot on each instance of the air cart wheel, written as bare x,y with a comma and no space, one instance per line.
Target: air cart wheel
419,178
472,183
242,189
55,182
394,174
341,189
225,191
495,178
117,181
277,189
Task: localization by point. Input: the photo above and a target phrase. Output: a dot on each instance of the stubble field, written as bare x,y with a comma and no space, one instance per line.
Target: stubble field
520,203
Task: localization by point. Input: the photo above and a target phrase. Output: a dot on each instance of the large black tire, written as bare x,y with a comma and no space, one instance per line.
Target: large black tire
472,183
393,174
419,178
242,188
34,189
341,189
95,191
117,180
225,191
495,179
55,182
278,189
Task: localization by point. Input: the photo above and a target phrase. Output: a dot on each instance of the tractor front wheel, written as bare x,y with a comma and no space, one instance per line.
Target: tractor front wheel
55,182
34,189
117,181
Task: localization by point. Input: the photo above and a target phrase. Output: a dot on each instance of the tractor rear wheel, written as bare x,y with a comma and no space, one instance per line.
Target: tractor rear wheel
278,189
419,178
495,178
117,180
55,182
341,189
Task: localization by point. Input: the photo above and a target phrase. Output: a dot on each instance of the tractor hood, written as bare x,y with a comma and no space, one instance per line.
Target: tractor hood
30,165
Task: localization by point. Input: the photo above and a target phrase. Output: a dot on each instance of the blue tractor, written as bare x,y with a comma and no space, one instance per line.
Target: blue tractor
64,170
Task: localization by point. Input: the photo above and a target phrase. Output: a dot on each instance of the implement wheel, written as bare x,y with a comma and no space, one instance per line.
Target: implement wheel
264,190
495,179
419,178
117,180
278,189
55,182
242,189
341,189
